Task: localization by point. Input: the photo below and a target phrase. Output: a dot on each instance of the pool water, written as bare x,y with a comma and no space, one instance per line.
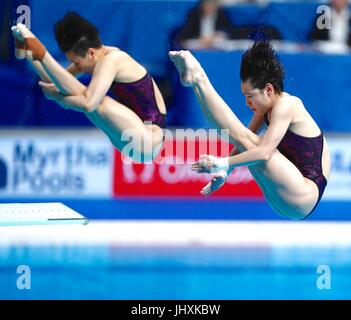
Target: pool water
193,272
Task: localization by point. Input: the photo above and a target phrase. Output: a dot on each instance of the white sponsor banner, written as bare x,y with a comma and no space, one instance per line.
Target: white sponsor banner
49,163
339,184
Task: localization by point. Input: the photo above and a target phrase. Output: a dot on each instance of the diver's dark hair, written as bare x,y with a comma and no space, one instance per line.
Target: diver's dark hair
260,65
77,34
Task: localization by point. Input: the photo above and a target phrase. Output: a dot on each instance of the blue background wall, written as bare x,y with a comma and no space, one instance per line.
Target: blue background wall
144,29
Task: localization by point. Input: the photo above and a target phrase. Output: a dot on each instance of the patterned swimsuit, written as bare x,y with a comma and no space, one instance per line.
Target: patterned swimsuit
139,96
306,154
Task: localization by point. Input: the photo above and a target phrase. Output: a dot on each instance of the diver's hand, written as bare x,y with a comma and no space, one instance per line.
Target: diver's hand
210,164
50,90
216,183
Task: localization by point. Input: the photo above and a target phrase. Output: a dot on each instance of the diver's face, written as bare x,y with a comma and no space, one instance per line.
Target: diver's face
258,100
84,64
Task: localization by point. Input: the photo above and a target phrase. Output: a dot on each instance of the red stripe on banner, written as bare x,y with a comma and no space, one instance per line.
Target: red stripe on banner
171,175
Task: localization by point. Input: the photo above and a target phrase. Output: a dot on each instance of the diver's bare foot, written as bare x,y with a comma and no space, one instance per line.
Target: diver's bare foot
190,70
27,45
20,51
21,31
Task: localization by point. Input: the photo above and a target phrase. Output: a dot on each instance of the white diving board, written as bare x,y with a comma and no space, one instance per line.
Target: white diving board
21,214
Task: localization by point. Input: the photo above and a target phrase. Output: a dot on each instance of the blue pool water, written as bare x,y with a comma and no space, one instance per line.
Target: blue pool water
176,273
115,272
